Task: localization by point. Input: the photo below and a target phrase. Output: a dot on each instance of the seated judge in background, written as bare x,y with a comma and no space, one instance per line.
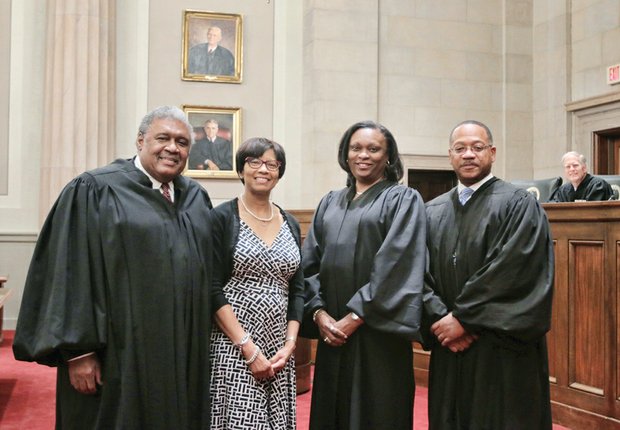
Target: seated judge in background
488,300
581,186
117,292
211,152
364,262
211,58
257,298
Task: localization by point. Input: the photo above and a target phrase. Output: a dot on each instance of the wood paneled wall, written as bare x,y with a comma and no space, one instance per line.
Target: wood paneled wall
306,348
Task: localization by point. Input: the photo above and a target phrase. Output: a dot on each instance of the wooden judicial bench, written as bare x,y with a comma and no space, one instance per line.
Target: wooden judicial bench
584,341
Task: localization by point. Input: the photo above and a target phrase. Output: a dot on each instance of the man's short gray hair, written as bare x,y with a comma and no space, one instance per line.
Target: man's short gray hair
580,157
166,112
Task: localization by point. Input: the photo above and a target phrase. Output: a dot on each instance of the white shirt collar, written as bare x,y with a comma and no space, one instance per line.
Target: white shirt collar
155,182
476,185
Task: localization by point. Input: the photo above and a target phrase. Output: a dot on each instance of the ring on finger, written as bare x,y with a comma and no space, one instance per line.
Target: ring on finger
331,327
326,340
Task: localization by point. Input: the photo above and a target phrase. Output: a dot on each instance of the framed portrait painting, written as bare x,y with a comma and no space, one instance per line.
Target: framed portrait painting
216,139
212,47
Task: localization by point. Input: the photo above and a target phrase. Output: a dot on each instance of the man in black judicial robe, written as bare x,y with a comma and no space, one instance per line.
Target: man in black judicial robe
488,297
211,152
580,184
116,294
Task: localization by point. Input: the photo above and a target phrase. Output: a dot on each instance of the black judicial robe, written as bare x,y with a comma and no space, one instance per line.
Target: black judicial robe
491,265
367,256
120,271
590,189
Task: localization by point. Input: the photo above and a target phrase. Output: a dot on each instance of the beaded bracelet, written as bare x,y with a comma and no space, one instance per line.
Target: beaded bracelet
316,313
253,357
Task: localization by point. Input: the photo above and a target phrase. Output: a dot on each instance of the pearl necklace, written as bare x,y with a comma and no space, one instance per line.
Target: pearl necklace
253,214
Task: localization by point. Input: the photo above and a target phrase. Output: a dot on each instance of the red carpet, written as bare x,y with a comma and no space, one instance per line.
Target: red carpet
27,394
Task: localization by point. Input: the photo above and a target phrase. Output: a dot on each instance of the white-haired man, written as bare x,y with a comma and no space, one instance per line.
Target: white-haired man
211,58
580,185
117,295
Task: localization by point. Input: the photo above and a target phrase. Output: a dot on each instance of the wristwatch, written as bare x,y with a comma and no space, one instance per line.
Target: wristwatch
354,316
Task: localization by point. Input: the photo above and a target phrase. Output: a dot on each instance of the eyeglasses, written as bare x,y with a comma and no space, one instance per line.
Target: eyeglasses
476,149
256,163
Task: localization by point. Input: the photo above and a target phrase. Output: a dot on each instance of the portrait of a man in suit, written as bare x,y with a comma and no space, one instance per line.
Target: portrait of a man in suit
211,58
212,47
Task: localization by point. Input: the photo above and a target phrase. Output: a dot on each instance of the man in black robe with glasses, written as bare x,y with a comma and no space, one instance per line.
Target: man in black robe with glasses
488,296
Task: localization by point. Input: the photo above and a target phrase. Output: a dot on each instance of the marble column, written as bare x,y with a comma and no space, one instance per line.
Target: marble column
79,99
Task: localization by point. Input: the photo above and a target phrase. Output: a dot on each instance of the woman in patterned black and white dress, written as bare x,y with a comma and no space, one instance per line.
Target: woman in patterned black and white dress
257,298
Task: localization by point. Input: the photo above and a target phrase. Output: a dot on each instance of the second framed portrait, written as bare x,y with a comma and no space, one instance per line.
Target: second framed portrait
212,47
217,137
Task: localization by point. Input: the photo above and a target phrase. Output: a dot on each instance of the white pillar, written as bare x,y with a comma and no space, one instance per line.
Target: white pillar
78,125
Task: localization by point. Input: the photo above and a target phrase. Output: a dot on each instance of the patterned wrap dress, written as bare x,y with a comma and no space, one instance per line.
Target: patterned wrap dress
258,293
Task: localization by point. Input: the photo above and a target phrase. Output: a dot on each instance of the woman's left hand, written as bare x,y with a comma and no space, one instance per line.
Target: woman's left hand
279,360
347,325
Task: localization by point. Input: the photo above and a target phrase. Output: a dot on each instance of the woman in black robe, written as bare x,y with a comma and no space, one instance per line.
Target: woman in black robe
364,260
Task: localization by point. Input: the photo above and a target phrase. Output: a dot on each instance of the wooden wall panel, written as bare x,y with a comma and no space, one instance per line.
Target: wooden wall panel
586,298
305,352
616,286
554,335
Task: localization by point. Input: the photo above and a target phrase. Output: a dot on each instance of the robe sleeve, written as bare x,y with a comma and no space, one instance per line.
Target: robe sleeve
560,194
312,253
598,190
511,293
392,299
434,310
63,311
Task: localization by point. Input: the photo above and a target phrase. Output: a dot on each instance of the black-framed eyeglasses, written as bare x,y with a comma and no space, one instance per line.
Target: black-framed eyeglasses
256,163
476,149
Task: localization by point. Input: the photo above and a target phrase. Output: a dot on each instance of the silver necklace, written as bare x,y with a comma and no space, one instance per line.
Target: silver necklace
253,214
359,193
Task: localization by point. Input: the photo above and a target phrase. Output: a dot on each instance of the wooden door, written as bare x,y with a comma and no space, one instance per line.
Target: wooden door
431,183
606,152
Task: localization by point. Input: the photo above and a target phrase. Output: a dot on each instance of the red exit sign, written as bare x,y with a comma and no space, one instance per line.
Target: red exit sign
613,74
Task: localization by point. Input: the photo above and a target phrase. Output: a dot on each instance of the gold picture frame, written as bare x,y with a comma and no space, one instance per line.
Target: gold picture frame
212,47
217,133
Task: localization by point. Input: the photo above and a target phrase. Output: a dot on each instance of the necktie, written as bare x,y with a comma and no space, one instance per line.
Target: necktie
465,194
165,190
